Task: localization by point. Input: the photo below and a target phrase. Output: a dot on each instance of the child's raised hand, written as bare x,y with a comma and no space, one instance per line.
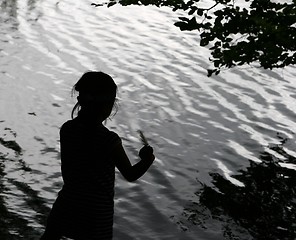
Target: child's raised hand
146,153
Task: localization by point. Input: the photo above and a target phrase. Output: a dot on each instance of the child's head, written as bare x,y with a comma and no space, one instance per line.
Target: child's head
97,94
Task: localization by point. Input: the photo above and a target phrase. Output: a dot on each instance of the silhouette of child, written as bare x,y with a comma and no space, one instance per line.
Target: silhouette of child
90,152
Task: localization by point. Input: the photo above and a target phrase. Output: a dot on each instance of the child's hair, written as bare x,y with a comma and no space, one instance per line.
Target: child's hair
95,86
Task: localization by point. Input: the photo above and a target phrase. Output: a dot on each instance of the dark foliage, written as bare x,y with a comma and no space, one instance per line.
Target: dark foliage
262,32
264,207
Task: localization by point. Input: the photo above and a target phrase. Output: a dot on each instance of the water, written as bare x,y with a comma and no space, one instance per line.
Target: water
224,145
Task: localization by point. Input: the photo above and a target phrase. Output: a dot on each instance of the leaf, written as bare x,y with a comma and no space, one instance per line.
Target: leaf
192,10
181,25
211,71
200,12
184,19
97,4
110,4
228,40
204,42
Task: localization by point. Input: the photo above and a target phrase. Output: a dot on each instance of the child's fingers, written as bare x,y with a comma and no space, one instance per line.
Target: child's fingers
146,152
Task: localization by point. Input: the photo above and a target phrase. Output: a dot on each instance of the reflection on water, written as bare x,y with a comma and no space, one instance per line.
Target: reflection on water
15,224
264,208
9,7
8,17
229,138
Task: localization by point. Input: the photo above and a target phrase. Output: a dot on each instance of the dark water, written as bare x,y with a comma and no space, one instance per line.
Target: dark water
225,146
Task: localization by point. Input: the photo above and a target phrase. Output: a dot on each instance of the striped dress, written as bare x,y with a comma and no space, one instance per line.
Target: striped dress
84,207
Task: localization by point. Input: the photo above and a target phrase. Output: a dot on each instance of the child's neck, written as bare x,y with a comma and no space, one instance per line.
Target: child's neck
89,118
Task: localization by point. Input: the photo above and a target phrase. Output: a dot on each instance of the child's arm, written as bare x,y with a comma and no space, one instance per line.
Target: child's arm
133,172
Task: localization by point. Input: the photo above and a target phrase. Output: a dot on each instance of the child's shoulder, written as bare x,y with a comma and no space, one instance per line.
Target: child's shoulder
73,124
69,126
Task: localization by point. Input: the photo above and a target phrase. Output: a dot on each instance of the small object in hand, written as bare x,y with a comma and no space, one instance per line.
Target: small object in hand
143,138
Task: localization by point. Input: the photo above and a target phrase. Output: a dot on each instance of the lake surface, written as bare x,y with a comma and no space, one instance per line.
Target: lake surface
225,145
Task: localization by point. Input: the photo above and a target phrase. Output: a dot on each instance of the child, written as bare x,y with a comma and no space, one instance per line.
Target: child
90,152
